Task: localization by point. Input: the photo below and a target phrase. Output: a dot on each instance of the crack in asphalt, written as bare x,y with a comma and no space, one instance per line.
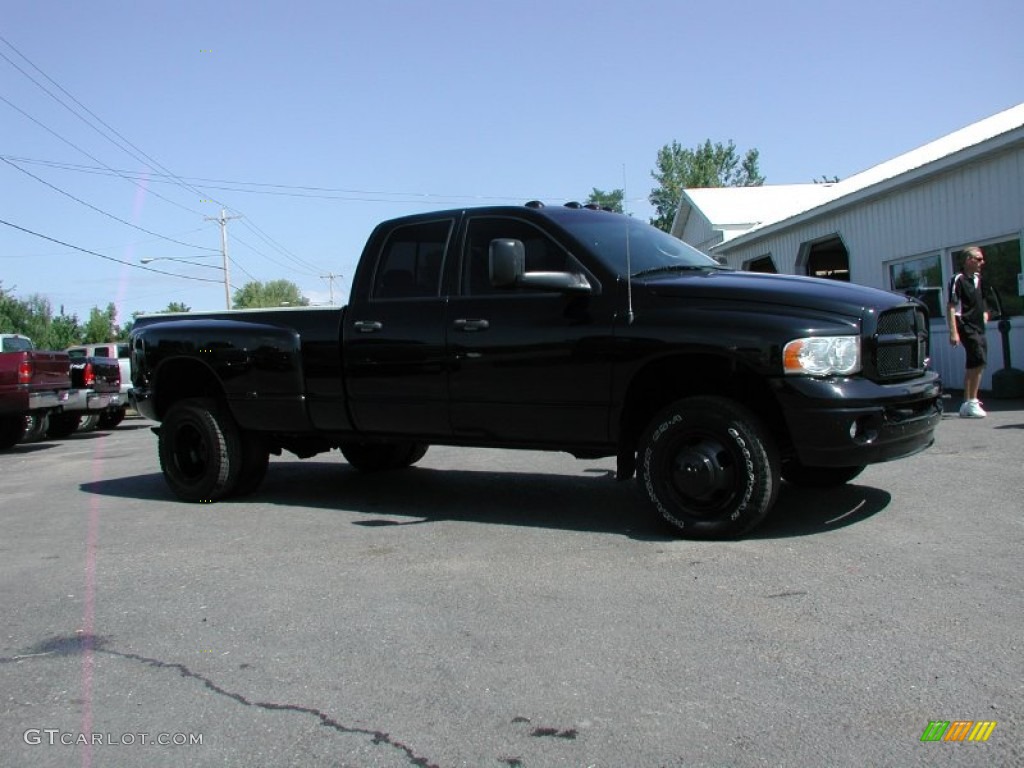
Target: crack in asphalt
73,645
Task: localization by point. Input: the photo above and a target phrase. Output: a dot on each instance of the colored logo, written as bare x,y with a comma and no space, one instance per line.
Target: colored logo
958,730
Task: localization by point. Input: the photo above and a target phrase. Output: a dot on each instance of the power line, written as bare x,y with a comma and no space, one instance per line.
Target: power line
167,173
108,258
95,159
105,213
315,192
93,114
330,277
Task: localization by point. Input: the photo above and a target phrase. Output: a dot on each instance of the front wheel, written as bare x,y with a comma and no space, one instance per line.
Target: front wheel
380,457
818,477
709,467
200,450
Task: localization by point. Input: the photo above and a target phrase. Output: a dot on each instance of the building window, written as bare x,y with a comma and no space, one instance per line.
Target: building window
1002,265
762,264
829,259
920,278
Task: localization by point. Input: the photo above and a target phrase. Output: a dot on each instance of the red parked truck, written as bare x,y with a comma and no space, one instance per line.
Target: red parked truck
32,383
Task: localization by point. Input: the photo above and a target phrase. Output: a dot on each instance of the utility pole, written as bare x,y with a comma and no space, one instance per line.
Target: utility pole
330,277
223,220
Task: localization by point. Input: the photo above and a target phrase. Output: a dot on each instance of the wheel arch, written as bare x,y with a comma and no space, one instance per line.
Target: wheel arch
182,378
663,381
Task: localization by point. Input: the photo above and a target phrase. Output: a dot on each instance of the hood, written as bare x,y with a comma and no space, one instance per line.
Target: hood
783,290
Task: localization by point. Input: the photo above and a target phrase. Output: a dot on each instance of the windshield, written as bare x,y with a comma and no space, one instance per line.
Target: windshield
650,249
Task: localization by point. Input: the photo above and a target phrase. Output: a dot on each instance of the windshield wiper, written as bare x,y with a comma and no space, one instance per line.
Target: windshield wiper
675,268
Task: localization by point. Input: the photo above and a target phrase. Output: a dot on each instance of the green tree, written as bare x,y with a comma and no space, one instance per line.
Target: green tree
177,306
101,325
276,293
707,165
611,200
65,331
33,317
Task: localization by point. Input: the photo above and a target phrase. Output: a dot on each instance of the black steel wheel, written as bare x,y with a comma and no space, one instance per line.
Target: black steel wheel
709,467
11,430
818,477
200,450
380,457
62,425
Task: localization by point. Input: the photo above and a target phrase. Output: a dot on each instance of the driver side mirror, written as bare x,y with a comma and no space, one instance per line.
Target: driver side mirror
506,262
507,265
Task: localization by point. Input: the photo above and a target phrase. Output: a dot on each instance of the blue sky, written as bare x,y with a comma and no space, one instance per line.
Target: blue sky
318,119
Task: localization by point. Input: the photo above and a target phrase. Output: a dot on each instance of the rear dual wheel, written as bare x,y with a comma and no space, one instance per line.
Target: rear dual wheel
205,456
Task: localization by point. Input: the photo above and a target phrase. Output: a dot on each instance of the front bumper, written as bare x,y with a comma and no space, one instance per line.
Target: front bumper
850,422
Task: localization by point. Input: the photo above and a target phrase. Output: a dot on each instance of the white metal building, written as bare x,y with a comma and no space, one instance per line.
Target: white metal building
898,226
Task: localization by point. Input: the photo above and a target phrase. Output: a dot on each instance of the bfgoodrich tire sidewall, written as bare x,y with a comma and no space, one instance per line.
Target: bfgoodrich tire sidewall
754,466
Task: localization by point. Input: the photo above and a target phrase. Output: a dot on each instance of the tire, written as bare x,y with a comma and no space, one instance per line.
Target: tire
11,430
381,457
200,450
818,477
255,458
62,425
36,425
110,419
709,467
89,422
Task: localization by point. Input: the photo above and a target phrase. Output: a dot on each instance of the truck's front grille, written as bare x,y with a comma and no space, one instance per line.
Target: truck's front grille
898,348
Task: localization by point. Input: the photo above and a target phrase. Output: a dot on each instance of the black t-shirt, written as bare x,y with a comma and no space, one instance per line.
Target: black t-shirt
967,299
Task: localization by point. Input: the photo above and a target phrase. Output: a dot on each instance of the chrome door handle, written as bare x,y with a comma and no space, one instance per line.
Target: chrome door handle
367,326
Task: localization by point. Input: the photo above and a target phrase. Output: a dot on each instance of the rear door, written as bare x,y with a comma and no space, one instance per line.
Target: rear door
394,333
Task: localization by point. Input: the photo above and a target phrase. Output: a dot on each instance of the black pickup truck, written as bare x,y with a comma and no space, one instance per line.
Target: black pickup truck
559,328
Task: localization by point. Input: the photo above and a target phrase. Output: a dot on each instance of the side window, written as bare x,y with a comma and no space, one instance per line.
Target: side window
1002,265
921,279
102,352
542,253
411,260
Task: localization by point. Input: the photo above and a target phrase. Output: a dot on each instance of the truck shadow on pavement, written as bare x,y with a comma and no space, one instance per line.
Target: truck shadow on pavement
592,501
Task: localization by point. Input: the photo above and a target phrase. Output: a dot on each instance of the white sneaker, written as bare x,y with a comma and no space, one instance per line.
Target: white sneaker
971,409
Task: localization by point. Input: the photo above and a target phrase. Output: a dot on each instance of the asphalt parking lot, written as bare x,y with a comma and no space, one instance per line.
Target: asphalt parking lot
516,609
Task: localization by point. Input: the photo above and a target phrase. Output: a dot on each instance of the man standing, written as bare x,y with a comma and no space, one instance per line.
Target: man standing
967,317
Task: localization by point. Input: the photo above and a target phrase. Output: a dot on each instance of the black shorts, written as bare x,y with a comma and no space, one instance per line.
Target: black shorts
976,347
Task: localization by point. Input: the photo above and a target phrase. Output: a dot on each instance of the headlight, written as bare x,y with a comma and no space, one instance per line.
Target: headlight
822,356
